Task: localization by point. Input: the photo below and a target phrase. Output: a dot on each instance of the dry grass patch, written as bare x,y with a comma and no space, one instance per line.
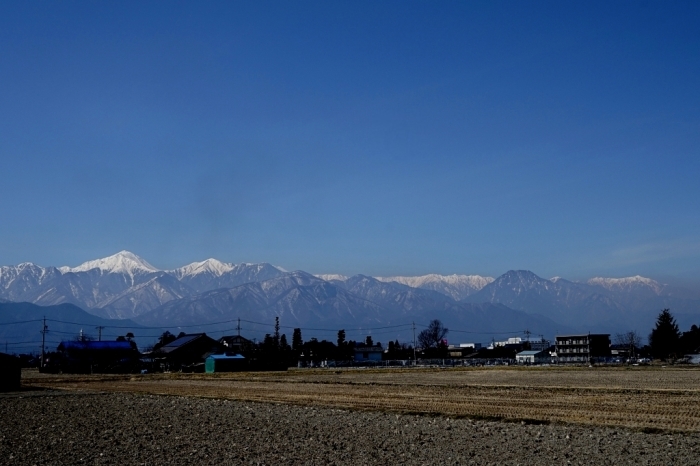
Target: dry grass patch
640,398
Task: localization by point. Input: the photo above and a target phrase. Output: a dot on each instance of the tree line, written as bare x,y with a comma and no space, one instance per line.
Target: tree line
666,341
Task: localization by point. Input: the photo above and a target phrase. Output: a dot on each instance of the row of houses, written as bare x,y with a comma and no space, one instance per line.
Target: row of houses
581,349
189,353
200,353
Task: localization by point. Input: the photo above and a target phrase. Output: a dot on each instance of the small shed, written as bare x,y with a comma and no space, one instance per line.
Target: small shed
10,373
368,353
533,357
224,363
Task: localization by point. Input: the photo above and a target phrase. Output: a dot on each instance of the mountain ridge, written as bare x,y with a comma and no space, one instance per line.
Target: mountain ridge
126,286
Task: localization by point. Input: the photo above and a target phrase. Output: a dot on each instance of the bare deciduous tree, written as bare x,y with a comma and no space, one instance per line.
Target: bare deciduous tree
630,340
432,336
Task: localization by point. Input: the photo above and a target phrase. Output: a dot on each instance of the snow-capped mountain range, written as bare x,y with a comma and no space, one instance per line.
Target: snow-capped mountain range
636,283
124,262
126,286
456,286
123,285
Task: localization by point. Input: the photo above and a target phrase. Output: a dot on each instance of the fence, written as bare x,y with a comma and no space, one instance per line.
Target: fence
398,363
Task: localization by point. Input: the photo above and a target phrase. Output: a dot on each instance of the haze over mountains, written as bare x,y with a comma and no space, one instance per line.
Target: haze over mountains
125,286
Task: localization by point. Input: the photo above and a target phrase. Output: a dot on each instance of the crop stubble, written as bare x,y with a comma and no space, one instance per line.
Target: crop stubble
649,399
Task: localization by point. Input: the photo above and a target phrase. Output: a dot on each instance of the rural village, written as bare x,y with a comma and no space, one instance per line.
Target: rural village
199,353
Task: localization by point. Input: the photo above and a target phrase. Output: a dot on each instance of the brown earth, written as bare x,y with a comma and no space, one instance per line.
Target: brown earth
650,399
49,427
545,416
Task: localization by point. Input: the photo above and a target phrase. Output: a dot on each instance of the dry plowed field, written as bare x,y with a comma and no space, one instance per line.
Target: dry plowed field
649,399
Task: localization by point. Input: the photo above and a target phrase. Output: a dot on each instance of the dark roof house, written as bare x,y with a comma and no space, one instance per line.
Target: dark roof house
235,343
187,350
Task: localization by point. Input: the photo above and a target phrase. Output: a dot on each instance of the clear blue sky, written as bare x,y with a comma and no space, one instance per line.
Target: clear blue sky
354,137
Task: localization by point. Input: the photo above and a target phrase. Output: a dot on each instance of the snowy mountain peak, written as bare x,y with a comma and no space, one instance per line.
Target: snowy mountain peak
25,265
627,283
474,281
456,286
122,262
332,276
212,266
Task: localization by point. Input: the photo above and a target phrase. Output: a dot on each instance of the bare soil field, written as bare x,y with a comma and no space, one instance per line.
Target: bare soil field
652,399
82,427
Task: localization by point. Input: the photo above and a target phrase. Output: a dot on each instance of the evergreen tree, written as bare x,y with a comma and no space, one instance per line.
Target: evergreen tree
665,338
268,343
690,341
297,342
277,332
341,338
283,343
164,339
368,341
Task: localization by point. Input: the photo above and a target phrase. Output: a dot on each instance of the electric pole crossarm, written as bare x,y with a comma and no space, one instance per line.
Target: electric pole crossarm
415,362
44,331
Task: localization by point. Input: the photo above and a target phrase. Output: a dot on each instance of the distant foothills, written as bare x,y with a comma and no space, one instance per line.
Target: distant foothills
211,296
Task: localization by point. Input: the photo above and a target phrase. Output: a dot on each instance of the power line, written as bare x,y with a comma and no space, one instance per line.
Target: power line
238,320
352,331
485,333
327,329
21,322
44,331
19,343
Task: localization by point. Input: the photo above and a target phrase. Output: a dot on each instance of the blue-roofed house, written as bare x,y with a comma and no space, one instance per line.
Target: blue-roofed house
98,356
365,353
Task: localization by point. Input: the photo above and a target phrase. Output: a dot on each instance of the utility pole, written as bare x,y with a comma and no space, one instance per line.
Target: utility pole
415,362
99,332
527,335
239,327
44,331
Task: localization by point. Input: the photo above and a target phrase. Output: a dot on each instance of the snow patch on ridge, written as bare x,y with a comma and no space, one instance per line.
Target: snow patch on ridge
332,276
122,262
626,283
476,282
212,266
